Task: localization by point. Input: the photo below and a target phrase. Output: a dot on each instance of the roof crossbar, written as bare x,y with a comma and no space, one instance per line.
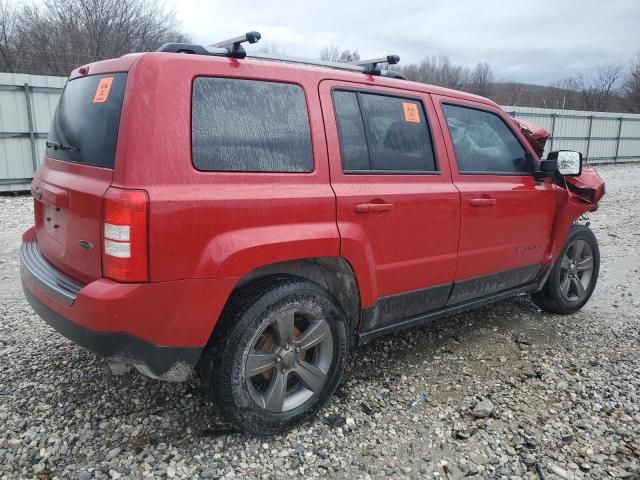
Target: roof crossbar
352,67
371,66
234,45
233,48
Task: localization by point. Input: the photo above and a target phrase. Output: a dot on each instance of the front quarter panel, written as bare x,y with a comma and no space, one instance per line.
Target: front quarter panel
580,196
588,185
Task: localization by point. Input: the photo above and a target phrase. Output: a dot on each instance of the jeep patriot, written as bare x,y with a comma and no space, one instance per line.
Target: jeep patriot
253,219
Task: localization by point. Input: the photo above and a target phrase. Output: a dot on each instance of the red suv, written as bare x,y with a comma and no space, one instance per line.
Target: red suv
257,218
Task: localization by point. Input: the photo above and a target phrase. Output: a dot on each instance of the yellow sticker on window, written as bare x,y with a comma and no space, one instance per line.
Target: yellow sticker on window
411,112
102,92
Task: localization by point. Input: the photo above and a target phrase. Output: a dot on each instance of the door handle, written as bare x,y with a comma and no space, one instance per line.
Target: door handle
372,207
482,202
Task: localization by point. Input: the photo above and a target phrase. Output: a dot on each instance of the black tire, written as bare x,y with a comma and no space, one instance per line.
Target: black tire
567,290
252,319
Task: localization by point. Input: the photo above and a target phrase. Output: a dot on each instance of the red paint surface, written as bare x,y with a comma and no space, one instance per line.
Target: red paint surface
411,246
535,134
70,210
207,230
513,231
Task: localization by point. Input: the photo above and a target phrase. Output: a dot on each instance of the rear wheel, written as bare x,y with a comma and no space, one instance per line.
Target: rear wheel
574,275
277,356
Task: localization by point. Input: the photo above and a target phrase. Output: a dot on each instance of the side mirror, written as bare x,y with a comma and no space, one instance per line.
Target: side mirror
569,163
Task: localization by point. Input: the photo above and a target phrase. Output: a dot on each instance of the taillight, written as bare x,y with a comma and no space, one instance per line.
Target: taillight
125,248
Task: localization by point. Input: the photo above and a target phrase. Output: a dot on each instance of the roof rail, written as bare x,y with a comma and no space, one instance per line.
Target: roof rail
352,67
184,48
371,66
233,48
226,48
233,45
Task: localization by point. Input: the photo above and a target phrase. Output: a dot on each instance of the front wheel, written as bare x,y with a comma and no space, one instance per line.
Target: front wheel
574,275
277,356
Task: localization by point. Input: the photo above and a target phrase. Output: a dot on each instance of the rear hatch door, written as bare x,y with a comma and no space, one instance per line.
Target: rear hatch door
76,172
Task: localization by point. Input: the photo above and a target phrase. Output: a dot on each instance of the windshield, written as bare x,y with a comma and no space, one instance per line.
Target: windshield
85,125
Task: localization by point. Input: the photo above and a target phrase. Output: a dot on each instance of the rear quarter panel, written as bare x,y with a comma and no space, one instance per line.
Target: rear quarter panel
217,224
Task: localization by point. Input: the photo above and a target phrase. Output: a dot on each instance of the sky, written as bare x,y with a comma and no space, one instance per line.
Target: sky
535,41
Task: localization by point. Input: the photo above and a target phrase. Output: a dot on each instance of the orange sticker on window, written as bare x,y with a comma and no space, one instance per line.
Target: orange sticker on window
102,92
411,112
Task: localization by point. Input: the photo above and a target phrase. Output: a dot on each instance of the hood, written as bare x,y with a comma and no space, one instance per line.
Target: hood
535,134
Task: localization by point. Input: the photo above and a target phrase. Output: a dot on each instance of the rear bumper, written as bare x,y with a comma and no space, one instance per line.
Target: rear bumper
48,279
159,328
164,363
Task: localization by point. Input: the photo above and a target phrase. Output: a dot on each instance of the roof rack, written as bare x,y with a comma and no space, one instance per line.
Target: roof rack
233,48
233,45
227,48
371,66
352,67
184,48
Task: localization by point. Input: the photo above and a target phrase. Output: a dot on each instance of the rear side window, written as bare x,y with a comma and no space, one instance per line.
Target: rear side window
353,141
483,143
382,133
250,126
85,126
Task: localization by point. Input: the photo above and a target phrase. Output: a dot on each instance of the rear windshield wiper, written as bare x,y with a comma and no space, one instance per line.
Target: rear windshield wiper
61,146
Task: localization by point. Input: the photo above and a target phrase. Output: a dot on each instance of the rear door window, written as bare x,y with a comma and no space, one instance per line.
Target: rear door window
382,133
85,126
483,143
250,126
353,140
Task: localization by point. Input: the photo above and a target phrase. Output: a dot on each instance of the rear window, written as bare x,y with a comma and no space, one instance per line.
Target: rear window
85,125
250,126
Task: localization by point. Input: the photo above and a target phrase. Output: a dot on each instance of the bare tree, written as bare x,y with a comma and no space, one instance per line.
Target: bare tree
8,21
631,86
481,80
59,35
347,56
564,94
512,93
332,53
597,90
438,70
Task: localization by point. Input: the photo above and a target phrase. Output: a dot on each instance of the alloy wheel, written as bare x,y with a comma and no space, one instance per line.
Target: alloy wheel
289,361
576,270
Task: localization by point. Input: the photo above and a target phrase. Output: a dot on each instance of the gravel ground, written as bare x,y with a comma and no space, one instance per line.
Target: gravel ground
501,392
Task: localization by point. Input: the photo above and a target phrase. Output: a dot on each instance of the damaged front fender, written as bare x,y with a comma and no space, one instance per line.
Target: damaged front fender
580,195
589,186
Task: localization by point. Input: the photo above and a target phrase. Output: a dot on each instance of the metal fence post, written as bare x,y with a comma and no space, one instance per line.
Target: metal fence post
553,130
615,160
32,136
589,138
